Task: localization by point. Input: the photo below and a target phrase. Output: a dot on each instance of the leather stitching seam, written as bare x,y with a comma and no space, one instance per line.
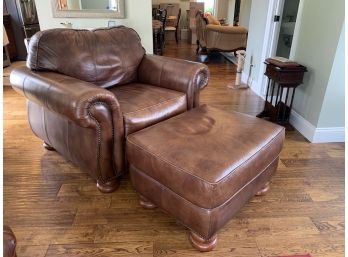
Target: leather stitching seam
99,140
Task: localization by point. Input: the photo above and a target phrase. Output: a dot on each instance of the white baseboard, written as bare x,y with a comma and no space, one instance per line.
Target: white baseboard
244,78
302,125
327,135
252,83
316,135
307,129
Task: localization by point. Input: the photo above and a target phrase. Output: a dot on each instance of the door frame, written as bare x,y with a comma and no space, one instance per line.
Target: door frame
270,42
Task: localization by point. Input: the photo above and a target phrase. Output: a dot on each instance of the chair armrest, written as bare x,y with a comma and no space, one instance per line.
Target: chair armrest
67,96
180,75
83,103
227,29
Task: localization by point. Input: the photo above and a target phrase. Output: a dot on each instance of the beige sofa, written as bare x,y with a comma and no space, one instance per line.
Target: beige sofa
217,37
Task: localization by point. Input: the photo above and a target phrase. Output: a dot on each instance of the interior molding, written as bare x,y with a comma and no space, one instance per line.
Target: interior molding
329,135
307,129
58,13
316,135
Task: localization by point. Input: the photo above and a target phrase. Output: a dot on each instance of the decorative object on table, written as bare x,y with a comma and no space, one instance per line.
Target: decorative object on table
86,98
214,37
111,24
240,65
67,24
223,22
9,242
284,76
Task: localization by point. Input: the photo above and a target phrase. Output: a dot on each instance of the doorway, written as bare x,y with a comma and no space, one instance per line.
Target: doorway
281,26
287,27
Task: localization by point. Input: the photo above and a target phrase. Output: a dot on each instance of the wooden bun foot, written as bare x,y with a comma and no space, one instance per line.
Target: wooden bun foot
202,244
48,147
10,243
263,190
145,203
108,187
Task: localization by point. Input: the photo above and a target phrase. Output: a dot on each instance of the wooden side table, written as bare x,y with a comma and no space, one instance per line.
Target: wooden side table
283,79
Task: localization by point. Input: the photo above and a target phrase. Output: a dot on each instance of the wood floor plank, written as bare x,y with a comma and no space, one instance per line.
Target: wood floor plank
55,209
142,248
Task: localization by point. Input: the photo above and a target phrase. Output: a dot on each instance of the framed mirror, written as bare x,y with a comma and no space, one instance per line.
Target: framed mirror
88,8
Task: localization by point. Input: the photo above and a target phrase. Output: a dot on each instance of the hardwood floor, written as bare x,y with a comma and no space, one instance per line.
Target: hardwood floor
56,210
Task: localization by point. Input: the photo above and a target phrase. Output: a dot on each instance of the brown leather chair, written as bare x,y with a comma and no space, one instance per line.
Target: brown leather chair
87,90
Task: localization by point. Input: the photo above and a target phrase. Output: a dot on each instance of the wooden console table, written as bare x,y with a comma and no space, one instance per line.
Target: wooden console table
283,79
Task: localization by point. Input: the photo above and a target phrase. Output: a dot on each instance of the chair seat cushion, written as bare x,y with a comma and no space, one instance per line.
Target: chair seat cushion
143,105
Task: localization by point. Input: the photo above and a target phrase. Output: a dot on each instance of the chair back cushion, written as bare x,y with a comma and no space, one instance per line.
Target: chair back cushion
105,57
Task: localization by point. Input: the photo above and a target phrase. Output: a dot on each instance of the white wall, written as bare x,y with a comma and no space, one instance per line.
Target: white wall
230,11
332,110
138,17
222,10
315,48
244,15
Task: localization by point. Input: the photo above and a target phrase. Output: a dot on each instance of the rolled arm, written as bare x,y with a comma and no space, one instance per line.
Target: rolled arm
180,75
67,96
227,29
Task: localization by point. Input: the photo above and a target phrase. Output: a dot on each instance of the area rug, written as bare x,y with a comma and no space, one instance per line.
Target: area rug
307,255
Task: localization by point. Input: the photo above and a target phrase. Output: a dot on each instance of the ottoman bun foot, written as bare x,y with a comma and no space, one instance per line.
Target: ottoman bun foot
202,244
145,203
108,187
48,146
263,190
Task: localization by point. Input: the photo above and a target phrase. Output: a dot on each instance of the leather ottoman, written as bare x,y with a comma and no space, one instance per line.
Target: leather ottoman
203,166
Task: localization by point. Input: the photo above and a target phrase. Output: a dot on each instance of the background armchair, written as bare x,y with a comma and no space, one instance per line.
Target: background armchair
87,90
221,38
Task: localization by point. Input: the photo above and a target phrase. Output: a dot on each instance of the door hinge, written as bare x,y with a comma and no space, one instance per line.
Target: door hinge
276,18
